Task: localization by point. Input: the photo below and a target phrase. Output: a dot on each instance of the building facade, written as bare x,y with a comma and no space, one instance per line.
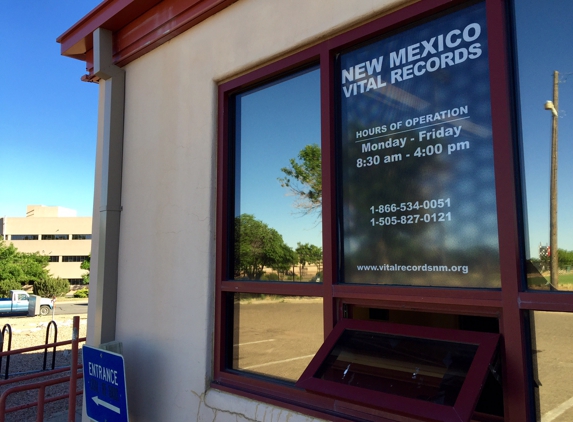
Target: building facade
391,134
53,231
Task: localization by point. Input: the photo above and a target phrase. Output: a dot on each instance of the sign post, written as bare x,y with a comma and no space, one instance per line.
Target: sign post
104,385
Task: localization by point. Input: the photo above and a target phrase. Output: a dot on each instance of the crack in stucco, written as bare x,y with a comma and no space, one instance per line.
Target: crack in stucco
260,412
228,412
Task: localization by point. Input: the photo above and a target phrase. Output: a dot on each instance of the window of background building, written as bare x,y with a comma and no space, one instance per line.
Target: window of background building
76,281
74,258
54,258
55,237
23,237
81,236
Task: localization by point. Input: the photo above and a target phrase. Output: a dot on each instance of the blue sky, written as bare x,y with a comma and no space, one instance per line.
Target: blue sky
277,123
48,117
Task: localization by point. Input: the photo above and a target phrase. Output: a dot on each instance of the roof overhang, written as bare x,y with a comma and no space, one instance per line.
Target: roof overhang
138,26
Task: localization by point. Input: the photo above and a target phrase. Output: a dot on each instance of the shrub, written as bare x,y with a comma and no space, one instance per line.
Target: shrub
51,287
7,285
270,277
82,293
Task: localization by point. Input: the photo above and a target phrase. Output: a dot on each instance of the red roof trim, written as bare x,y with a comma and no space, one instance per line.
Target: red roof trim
138,26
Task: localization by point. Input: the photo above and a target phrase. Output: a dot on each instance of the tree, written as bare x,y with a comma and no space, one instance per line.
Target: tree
288,258
52,287
308,254
10,270
34,267
85,265
565,257
20,267
256,246
304,179
315,257
7,285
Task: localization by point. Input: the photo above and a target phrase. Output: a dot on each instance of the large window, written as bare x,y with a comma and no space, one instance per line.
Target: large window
274,242
544,70
277,192
416,157
383,176
544,66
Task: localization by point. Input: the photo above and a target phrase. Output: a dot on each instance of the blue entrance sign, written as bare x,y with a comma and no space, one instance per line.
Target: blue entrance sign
104,385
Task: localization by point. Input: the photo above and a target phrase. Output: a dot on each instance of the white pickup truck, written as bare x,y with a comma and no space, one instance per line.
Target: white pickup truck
17,304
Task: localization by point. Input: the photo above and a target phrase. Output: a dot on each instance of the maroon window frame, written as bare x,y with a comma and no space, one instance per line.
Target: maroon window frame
509,305
468,395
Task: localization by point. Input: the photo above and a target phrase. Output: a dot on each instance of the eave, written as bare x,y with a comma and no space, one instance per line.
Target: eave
138,26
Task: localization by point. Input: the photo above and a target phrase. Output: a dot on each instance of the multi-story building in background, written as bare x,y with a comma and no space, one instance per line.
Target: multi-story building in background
53,231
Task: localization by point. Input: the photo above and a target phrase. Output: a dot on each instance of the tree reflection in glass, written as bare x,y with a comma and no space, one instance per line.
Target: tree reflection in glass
278,187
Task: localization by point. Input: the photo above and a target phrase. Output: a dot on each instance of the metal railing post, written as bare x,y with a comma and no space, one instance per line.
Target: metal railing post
7,327
74,370
46,343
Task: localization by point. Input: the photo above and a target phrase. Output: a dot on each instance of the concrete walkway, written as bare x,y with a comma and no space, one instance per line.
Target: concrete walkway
63,416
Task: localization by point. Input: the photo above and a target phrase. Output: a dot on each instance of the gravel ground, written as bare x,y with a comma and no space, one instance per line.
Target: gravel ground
31,331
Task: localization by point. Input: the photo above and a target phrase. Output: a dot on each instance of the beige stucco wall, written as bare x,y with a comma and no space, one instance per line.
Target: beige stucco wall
167,246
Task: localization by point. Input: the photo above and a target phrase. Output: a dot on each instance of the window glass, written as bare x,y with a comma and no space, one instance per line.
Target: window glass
24,237
552,362
73,258
76,281
423,369
543,46
81,236
55,237
416,147
278,190
276,336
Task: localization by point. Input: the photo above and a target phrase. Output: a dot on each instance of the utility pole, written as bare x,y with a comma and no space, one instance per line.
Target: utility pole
553,258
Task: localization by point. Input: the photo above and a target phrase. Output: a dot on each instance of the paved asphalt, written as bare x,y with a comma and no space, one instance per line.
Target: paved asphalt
71,307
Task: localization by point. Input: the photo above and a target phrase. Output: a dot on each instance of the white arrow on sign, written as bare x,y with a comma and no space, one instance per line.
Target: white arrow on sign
111,407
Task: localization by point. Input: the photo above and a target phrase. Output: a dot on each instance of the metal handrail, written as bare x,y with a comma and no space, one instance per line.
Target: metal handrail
41,386
8,328
40,347
36,374
52,323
